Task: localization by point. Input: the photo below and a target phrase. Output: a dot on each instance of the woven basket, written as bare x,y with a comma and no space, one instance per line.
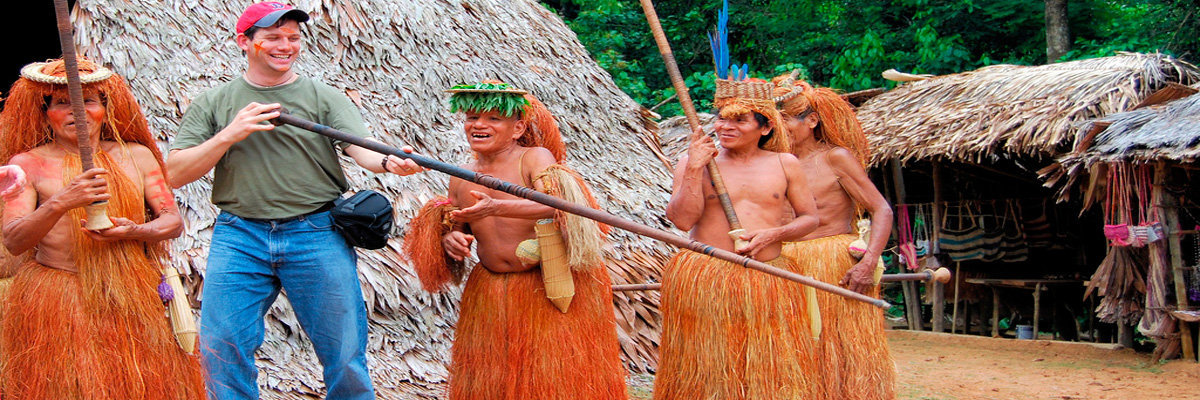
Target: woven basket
556,275
744,89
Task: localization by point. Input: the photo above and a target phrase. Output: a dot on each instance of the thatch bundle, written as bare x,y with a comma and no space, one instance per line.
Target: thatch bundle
1169,131
1010,109
393,59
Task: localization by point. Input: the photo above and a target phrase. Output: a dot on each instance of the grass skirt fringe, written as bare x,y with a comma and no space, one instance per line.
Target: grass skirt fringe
101,333
853,348
56,346
730,332
423,246
512,343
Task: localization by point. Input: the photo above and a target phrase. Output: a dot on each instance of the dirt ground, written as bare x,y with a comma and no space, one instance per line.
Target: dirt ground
957,367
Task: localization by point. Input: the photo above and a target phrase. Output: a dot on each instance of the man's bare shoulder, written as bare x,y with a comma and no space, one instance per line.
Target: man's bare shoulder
789,161
838,153
136,151
31,160
538,156
842,160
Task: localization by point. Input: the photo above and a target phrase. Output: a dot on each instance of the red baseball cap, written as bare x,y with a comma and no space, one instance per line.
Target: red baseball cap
266,14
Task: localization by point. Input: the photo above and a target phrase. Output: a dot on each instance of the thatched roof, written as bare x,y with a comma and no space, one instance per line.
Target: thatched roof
1162,128
1010,110
1169,131
394,62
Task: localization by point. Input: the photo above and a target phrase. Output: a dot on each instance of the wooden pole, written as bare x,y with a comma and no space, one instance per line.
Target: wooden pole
1171,221
939,307
995,312
689,110
957,288
912,294
939,288
636,287
97,215
577,209
939,275
938,198
1037,308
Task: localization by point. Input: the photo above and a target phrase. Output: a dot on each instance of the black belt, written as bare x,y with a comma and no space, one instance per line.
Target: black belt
324,207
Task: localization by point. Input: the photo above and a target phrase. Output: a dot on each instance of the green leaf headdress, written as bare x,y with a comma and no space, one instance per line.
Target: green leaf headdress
510,101
488,96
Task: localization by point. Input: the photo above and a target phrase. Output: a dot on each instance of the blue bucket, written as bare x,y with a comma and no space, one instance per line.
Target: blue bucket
1025,332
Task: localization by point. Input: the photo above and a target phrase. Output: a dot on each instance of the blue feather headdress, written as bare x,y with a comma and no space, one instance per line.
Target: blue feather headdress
737,93
719,41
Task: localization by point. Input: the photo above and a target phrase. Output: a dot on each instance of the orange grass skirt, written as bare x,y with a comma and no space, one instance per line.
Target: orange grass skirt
853,348
730,332
55,346
512,343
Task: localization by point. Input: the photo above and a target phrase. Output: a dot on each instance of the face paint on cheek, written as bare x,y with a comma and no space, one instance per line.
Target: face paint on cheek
258,47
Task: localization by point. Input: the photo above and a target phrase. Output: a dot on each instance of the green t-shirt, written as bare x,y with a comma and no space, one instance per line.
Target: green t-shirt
279,173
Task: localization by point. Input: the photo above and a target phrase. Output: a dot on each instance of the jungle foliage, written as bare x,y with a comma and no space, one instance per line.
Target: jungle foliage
846,44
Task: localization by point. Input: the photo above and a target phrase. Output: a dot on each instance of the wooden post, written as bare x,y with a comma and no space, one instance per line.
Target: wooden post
912,294
936,224
1092,320
995,312
954,314
939,307
1171,220
1037,308
1125,335
939,289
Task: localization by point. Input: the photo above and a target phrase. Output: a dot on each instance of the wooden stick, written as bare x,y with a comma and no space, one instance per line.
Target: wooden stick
643,286
97,216
939,275
689,110
584,211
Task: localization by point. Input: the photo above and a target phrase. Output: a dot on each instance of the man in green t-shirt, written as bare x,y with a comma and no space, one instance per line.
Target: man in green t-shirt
274,186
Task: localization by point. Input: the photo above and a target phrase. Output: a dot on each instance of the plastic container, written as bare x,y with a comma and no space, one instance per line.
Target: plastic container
1025,332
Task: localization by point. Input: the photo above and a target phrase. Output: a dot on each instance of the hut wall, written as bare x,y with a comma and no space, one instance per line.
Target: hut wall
393,59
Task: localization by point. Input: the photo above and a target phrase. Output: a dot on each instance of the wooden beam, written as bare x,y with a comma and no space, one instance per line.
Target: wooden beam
1171,220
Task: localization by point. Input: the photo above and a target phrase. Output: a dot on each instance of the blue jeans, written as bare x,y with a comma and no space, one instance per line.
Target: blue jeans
249,262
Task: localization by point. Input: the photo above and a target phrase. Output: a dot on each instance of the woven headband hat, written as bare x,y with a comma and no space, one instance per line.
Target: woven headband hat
49,72
508,100
838,125
23,122
736,94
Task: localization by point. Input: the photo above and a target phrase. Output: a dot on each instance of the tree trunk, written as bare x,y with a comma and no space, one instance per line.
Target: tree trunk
1058,30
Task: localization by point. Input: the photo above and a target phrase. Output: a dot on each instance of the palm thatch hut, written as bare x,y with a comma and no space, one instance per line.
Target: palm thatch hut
975,140
393,59
1165,129
1010,110
1159,137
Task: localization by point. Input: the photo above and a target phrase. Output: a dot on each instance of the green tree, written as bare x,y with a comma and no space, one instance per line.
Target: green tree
846,44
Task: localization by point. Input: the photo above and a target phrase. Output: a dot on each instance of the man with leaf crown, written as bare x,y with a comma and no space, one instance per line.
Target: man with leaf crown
536,319
83,316
730,332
